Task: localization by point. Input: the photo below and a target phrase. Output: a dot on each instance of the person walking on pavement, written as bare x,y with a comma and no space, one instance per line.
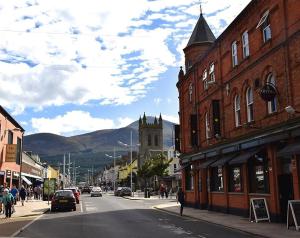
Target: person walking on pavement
1,197
22,194
162,190
8,201
14,191
180,199
166,192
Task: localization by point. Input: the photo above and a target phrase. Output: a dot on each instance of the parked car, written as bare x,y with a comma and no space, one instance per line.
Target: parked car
75,192
86,189
96,191
123,191
63,199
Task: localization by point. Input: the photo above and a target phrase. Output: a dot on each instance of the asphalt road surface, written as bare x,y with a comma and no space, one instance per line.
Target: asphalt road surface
114,217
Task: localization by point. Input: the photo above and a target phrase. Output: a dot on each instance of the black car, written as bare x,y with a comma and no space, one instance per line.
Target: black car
123,191
86,189
63,200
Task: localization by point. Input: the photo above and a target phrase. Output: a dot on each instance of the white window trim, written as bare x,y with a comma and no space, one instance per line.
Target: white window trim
271,79
249,104
245,41
204,79
263,19
207,129
234,54
212,77
237,110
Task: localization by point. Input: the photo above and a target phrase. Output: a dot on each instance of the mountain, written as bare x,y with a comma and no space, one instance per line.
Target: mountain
89,149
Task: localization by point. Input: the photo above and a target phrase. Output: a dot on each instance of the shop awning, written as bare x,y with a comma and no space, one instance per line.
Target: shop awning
32,176
223,160
290,149
243,158
26,180
207,163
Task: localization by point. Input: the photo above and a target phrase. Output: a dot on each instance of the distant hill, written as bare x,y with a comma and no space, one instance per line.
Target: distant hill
88,149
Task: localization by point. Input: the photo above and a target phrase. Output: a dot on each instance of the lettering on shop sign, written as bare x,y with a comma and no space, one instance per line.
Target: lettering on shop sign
259,210
293,214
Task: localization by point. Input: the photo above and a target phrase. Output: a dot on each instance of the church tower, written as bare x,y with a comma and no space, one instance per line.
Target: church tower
150,138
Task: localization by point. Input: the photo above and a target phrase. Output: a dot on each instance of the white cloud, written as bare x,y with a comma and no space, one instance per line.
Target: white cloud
124,121
58,52
157,101
171,118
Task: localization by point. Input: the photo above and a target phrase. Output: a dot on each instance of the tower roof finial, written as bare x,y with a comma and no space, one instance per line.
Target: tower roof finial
200,7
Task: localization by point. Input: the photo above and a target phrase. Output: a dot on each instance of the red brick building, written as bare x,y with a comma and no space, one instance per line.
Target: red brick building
240,111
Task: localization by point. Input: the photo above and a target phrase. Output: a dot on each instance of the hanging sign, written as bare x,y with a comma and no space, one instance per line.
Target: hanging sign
259,210
268,92
293,214
11,153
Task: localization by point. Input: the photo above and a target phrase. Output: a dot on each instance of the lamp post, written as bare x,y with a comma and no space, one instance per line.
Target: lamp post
114,157
126,145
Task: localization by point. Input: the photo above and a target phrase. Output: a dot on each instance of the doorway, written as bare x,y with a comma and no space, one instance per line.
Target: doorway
286,193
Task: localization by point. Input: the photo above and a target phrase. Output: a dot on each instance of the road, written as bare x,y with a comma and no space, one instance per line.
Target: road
114,217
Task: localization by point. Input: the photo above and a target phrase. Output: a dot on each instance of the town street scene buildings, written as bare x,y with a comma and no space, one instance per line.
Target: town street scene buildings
150,118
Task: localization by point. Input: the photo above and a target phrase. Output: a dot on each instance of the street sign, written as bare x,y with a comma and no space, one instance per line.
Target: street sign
293,214
259,209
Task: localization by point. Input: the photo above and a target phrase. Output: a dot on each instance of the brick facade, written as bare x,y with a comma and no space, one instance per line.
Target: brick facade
271,128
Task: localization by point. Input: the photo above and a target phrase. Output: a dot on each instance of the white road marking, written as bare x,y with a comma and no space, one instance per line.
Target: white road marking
81,208
24,227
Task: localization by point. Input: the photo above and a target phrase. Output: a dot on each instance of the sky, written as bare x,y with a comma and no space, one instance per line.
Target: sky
71,66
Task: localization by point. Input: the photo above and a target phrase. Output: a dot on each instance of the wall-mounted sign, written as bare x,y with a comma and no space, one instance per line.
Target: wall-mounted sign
15,175
8,173
2,173
11,153
268,92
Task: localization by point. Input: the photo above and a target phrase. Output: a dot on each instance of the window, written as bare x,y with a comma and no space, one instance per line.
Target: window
249,101
156,140
189,178
234,54
10,137
272,105
235,179
212,73
149,140
264,23
245,40
204,78
207,128
190,92
237,110
259,173
217,179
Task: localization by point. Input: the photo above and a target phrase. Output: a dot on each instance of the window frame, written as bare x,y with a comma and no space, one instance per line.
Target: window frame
217,179
272,105
234,54
231,187
245,42
207,126
237,110
149,139
204,79
189,178
249,105
10,137
212,76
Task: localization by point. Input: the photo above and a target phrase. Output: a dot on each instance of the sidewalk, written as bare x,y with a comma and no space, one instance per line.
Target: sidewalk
30,208
265,229
140,196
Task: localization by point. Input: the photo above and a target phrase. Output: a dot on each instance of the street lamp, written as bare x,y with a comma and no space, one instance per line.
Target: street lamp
114,157
126,145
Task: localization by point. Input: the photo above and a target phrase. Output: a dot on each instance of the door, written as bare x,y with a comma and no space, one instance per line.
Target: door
285,182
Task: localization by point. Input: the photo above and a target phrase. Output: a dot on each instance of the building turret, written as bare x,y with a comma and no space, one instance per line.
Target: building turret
200,41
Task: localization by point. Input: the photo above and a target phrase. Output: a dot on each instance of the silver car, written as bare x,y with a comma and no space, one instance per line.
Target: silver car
96,191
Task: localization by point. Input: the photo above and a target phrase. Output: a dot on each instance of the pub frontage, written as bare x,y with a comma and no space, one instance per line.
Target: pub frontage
239,109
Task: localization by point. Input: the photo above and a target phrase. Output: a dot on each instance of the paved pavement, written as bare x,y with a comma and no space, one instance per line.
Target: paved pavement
23,216
115,217
265,229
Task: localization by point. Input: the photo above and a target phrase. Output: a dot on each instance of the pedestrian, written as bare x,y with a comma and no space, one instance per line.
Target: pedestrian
14,191
22,194
35,189
162,190
180,199
8,201
1,197
166,192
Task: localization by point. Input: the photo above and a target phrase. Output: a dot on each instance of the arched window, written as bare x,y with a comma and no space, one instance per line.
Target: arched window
156,140
207,129
249,102
149,140
237,110
272,105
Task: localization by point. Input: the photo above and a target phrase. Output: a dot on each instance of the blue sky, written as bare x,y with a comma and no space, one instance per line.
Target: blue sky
71,67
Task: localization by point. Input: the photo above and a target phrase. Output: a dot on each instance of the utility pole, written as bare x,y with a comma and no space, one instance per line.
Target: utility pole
74,173
69,168
64,171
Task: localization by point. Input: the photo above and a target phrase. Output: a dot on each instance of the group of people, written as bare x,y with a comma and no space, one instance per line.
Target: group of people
9,198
